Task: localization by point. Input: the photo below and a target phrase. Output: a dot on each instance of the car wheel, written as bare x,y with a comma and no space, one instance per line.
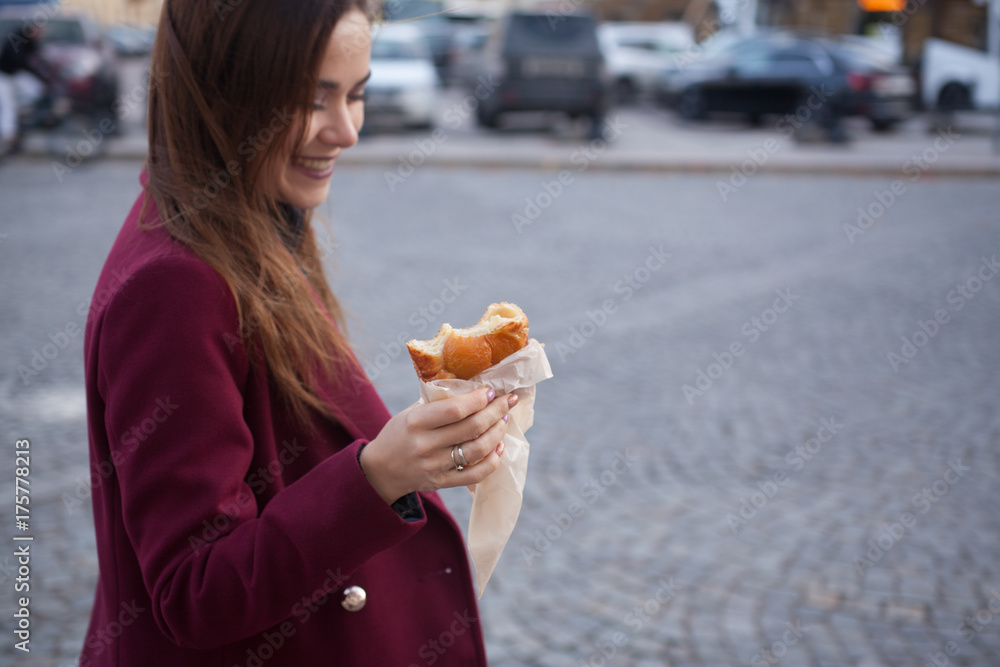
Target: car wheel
883,124
488,118
625,91
423,124
954,97
105,99
107,120
691,104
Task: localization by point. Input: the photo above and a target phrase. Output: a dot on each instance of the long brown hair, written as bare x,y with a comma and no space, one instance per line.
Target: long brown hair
232,82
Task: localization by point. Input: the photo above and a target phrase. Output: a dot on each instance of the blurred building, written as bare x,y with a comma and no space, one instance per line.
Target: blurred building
108,12
702,15
961,21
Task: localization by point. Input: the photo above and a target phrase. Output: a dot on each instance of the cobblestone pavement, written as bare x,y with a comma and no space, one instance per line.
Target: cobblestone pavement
809,499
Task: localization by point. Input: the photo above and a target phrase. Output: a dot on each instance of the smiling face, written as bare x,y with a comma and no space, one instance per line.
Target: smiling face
338,113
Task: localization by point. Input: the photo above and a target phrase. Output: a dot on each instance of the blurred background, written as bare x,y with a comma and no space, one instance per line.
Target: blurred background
758,238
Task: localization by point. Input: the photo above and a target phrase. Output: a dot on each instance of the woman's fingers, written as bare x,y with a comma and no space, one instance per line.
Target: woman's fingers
478,423
414,451
475,473
477,449
450,410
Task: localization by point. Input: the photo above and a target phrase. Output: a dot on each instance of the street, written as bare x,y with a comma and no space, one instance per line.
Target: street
771,436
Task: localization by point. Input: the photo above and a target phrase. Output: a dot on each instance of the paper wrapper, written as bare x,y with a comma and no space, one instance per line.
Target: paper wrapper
496,501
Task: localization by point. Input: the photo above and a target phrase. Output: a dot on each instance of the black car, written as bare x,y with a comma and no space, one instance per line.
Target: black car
883,92
81,60
780,73
544,62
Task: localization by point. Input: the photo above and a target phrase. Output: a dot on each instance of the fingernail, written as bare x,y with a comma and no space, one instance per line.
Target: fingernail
500,449
512,400
490,395
506,418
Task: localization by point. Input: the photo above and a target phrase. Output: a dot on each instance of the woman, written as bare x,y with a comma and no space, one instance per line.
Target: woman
263,507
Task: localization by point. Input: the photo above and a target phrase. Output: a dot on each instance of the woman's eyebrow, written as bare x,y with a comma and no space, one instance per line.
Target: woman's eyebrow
333,85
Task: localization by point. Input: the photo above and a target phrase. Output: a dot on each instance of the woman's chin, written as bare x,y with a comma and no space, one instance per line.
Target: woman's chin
306,198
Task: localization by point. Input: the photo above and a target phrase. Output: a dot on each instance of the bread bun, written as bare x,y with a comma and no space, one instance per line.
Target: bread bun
465,353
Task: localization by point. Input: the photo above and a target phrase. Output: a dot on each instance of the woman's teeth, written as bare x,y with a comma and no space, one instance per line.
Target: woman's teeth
314,164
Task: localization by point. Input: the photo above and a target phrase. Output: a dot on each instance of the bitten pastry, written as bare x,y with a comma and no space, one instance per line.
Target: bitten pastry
464,353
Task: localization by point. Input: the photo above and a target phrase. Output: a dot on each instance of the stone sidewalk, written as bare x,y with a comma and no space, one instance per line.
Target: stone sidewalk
730,469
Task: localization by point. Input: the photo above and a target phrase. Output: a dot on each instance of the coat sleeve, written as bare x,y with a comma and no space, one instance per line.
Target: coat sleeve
172,380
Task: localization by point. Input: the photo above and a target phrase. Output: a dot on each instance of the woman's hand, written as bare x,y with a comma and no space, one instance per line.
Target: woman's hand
414,450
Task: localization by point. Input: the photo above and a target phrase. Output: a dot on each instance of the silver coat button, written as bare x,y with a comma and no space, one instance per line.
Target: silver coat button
354,598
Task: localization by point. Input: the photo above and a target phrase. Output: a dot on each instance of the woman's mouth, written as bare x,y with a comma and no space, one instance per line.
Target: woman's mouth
315,167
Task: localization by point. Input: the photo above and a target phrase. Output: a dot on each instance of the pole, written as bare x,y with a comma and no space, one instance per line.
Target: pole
748,18
993,44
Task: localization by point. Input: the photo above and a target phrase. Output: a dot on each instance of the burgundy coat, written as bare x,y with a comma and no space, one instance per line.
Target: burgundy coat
225,534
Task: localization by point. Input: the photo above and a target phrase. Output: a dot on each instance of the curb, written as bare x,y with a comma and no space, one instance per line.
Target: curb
988,168
683,166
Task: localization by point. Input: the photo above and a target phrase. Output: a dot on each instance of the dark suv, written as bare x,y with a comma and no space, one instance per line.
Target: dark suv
544,62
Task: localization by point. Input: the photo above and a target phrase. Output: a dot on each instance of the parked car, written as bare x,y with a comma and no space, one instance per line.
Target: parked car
128,41
466,59
544,62
638,54
881,90
958,78
775,73
430,18
79,55
701,57
404,83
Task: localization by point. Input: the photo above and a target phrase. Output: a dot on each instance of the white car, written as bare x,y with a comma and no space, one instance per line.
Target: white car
956,78
403,88
637,55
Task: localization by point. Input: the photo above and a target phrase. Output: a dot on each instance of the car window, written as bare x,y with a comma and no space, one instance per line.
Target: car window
63,31
534,32
397,49
642,44
752,59
797,62
415,9
473,42
859,56
722,42
7,27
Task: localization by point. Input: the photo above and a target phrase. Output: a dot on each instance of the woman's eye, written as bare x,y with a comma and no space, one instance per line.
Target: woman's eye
357,97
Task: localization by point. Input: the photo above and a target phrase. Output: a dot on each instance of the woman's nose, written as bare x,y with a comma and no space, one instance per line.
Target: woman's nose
339,129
